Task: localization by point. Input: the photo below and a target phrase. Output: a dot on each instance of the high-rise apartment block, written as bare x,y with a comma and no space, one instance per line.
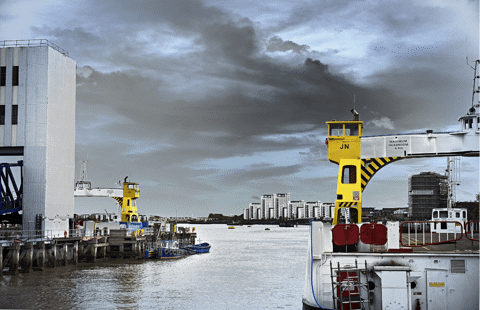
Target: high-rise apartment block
279,206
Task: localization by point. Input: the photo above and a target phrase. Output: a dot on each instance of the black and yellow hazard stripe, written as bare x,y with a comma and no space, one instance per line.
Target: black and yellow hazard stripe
119,200
347,204
370,166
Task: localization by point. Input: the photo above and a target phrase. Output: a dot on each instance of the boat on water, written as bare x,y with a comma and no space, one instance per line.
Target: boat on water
432,264
203,247
169,249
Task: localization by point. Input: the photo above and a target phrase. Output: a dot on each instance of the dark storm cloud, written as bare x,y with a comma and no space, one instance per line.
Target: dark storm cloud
177,83
257,89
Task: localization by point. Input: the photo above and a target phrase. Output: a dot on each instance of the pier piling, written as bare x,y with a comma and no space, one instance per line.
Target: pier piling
39,261
1,259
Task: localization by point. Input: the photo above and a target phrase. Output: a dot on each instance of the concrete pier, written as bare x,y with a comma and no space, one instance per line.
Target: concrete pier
16,257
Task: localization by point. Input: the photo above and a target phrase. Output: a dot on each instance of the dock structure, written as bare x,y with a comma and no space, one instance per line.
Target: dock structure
23,254
123,246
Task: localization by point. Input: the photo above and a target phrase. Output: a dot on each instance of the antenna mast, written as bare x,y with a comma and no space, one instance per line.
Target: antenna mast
453,179
476,76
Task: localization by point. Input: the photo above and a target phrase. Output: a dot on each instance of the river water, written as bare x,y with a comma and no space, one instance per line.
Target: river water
247,268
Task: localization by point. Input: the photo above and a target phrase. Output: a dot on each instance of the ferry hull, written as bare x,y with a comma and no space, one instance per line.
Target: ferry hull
386,279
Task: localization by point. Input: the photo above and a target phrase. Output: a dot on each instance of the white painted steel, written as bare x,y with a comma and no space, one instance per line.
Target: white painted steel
46,129
99,192
464,142
392,274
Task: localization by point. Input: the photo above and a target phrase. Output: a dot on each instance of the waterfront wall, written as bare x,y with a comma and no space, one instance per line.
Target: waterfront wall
19,257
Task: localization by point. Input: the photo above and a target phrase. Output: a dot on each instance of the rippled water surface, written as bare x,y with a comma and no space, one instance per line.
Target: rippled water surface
247,268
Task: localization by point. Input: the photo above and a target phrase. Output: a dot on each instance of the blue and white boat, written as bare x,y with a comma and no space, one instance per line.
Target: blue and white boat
170,249
198,248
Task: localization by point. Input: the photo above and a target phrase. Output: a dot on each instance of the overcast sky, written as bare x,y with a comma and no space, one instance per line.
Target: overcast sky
210,104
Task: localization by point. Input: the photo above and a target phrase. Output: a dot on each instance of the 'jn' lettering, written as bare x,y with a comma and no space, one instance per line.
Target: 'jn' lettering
344,146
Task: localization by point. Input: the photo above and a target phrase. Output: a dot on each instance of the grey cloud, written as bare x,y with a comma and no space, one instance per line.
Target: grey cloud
223,98
277,44
258,172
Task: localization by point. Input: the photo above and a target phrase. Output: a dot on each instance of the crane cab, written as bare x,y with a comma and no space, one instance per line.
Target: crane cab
344,140
344,149
131,191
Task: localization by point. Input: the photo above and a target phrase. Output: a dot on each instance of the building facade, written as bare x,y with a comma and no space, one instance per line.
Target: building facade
37,121
281,204
298,208
268,202
426,191
312,209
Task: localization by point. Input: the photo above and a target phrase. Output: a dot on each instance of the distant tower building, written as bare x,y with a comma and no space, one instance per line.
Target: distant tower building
246,215
328,208
310,208
298,208
268,202
37,121
426,191
281,204
254,210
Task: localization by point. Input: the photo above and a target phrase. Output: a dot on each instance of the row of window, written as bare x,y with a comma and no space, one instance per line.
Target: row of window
3,76
14,114
350,129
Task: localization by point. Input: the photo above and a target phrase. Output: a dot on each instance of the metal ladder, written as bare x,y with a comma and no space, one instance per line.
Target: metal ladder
347,286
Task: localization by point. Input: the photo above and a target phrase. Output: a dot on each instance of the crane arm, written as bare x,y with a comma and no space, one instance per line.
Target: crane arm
98,192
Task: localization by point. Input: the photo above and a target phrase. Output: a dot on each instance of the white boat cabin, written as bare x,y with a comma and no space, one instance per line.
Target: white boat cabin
447,220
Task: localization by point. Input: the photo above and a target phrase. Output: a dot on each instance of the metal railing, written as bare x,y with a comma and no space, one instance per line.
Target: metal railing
32,42
472,230
422,233
18,235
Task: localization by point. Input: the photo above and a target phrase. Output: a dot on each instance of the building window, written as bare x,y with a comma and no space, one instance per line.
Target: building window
14,114
3,76
2,115
15,76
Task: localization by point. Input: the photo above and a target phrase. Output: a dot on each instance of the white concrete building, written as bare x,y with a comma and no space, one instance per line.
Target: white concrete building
246,214
298,208
310,208
328,209
254,210
37,121
281,203
268,202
